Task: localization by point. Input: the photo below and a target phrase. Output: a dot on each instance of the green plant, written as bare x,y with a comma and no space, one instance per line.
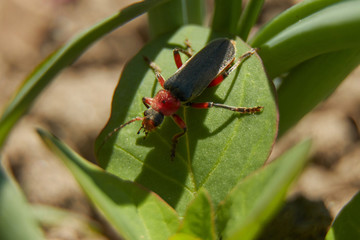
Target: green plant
206,193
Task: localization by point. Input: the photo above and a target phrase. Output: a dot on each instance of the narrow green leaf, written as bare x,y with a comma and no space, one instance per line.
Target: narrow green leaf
254,201
330,29
16,220
195,11
183,236
289,17
346,225
133,211
170,16
249,17
199,217
220,147
226,16
165,18
311,82
62,58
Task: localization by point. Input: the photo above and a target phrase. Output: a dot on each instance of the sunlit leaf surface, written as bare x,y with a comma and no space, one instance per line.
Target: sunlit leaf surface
220,148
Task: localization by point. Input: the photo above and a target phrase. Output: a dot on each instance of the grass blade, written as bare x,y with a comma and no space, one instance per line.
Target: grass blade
16,219
199,218
254,200
346,225
330,29
287,18
226,16
311,82
170,16
62,58
133,211
183,236
249,17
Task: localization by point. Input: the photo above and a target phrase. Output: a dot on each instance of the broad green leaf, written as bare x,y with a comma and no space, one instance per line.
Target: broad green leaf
62,58
226,16
346,225
288,17
172,15
311,82
249,17
199,217
254,201
133,211
220,148
331,29
16,219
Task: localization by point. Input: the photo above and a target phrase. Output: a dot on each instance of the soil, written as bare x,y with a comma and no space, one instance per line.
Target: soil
76,106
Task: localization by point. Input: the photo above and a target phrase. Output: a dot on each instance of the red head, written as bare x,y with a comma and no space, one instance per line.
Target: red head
151,120
163,104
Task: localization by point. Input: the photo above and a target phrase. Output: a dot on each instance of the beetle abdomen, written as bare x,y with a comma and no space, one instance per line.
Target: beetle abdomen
197,73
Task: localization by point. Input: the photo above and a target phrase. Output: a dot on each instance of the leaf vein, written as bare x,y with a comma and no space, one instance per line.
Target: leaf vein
230,139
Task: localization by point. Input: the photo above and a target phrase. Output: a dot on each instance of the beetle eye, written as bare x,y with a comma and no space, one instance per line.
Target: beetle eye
163,101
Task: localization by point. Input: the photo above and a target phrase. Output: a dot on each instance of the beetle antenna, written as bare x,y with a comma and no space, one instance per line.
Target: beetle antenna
117,129
142,126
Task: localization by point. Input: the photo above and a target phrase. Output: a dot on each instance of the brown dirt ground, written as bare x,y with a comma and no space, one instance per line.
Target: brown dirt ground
77,104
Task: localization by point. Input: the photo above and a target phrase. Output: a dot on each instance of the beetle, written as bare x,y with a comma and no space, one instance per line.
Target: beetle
208,68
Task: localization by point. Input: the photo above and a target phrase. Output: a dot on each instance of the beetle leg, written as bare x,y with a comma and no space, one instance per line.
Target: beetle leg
147,101
177,57
219,78
240,60
205,105
189,49
229,69
188,52
177,119
156,69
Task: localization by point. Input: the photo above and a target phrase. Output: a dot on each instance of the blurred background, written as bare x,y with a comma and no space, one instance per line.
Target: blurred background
77,104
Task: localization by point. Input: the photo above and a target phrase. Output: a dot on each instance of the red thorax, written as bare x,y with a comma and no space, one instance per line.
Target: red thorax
165,103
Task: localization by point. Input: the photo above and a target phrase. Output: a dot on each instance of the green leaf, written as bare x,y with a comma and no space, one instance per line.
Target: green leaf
62,58
331,29
183,236
249,17
346,225
311,82
254,201
16,220
199,217
288,17
172,15
226,16
220,148
133,211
